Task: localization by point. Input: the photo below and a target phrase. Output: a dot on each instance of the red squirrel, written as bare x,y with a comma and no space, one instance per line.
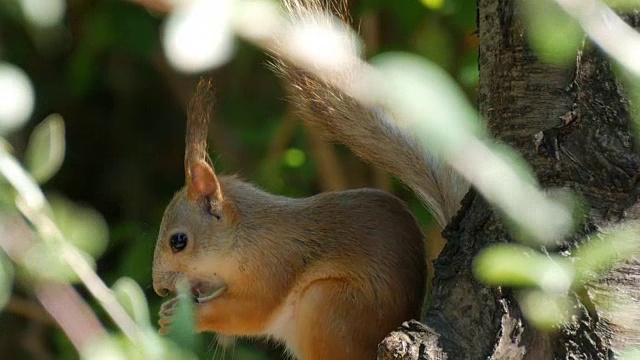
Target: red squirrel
330,275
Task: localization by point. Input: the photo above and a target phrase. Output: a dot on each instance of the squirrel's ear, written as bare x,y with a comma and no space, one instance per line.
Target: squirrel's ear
202,182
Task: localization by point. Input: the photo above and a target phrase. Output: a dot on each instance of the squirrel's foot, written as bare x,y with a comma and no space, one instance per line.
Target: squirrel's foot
169,308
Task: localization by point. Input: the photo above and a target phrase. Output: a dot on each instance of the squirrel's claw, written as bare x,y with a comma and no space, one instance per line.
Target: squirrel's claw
164,323
169,307
166,313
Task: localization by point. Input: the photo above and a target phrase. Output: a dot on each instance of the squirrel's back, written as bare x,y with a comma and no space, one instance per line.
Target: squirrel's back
355,230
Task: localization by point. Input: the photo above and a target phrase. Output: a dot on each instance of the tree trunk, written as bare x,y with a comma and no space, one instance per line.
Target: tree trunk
589,147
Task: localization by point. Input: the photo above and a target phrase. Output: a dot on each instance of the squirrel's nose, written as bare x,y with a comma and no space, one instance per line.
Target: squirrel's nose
163,286
161,291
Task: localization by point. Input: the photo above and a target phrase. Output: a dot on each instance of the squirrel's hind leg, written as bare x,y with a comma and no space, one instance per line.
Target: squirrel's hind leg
332,322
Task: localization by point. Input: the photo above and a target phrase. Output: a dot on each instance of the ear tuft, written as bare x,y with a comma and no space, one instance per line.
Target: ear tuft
202,182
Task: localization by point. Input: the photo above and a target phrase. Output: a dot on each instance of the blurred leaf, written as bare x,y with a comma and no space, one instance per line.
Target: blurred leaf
82,226
131,296
446,119
433,4
44,14
198,35
630,354
294,157
517,265
6,279
151,346
46,260
553,34
7,194
17,97
545,310
623,5
601,254
182,328
45,152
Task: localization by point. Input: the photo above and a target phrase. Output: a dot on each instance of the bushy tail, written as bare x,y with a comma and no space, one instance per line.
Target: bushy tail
369,132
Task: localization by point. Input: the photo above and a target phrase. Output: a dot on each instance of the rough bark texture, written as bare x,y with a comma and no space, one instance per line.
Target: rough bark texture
588,146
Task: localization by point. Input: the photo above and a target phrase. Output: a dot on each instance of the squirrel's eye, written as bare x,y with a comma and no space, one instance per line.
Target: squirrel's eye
178,242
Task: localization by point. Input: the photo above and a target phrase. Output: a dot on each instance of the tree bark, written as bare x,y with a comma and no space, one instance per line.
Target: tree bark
588,146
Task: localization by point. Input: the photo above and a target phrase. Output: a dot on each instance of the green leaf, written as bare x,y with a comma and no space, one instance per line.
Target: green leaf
6,279
517,265
82,226
132,298
545,310
45,151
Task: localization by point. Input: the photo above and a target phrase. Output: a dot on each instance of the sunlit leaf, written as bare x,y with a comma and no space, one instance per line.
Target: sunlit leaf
132,298
517,265
82,226
435,107
630,354
198,35
433,4
545,310
47,260
294,157
46,149
6,279
603,253
150,346
43,13
17,97
553,34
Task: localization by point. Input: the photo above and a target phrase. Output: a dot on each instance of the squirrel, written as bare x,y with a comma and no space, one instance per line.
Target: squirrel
330,275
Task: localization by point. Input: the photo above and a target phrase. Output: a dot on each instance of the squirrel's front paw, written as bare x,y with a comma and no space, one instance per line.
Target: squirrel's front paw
167,310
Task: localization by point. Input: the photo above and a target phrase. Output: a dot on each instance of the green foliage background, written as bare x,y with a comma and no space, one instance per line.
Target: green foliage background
103,70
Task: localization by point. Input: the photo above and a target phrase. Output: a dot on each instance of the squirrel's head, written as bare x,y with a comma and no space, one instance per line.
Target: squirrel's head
196,234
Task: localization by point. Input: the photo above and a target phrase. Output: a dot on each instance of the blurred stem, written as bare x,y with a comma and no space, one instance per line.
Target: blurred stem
58,299
32,203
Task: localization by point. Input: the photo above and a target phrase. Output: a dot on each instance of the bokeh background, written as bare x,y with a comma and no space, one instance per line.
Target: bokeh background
103,69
